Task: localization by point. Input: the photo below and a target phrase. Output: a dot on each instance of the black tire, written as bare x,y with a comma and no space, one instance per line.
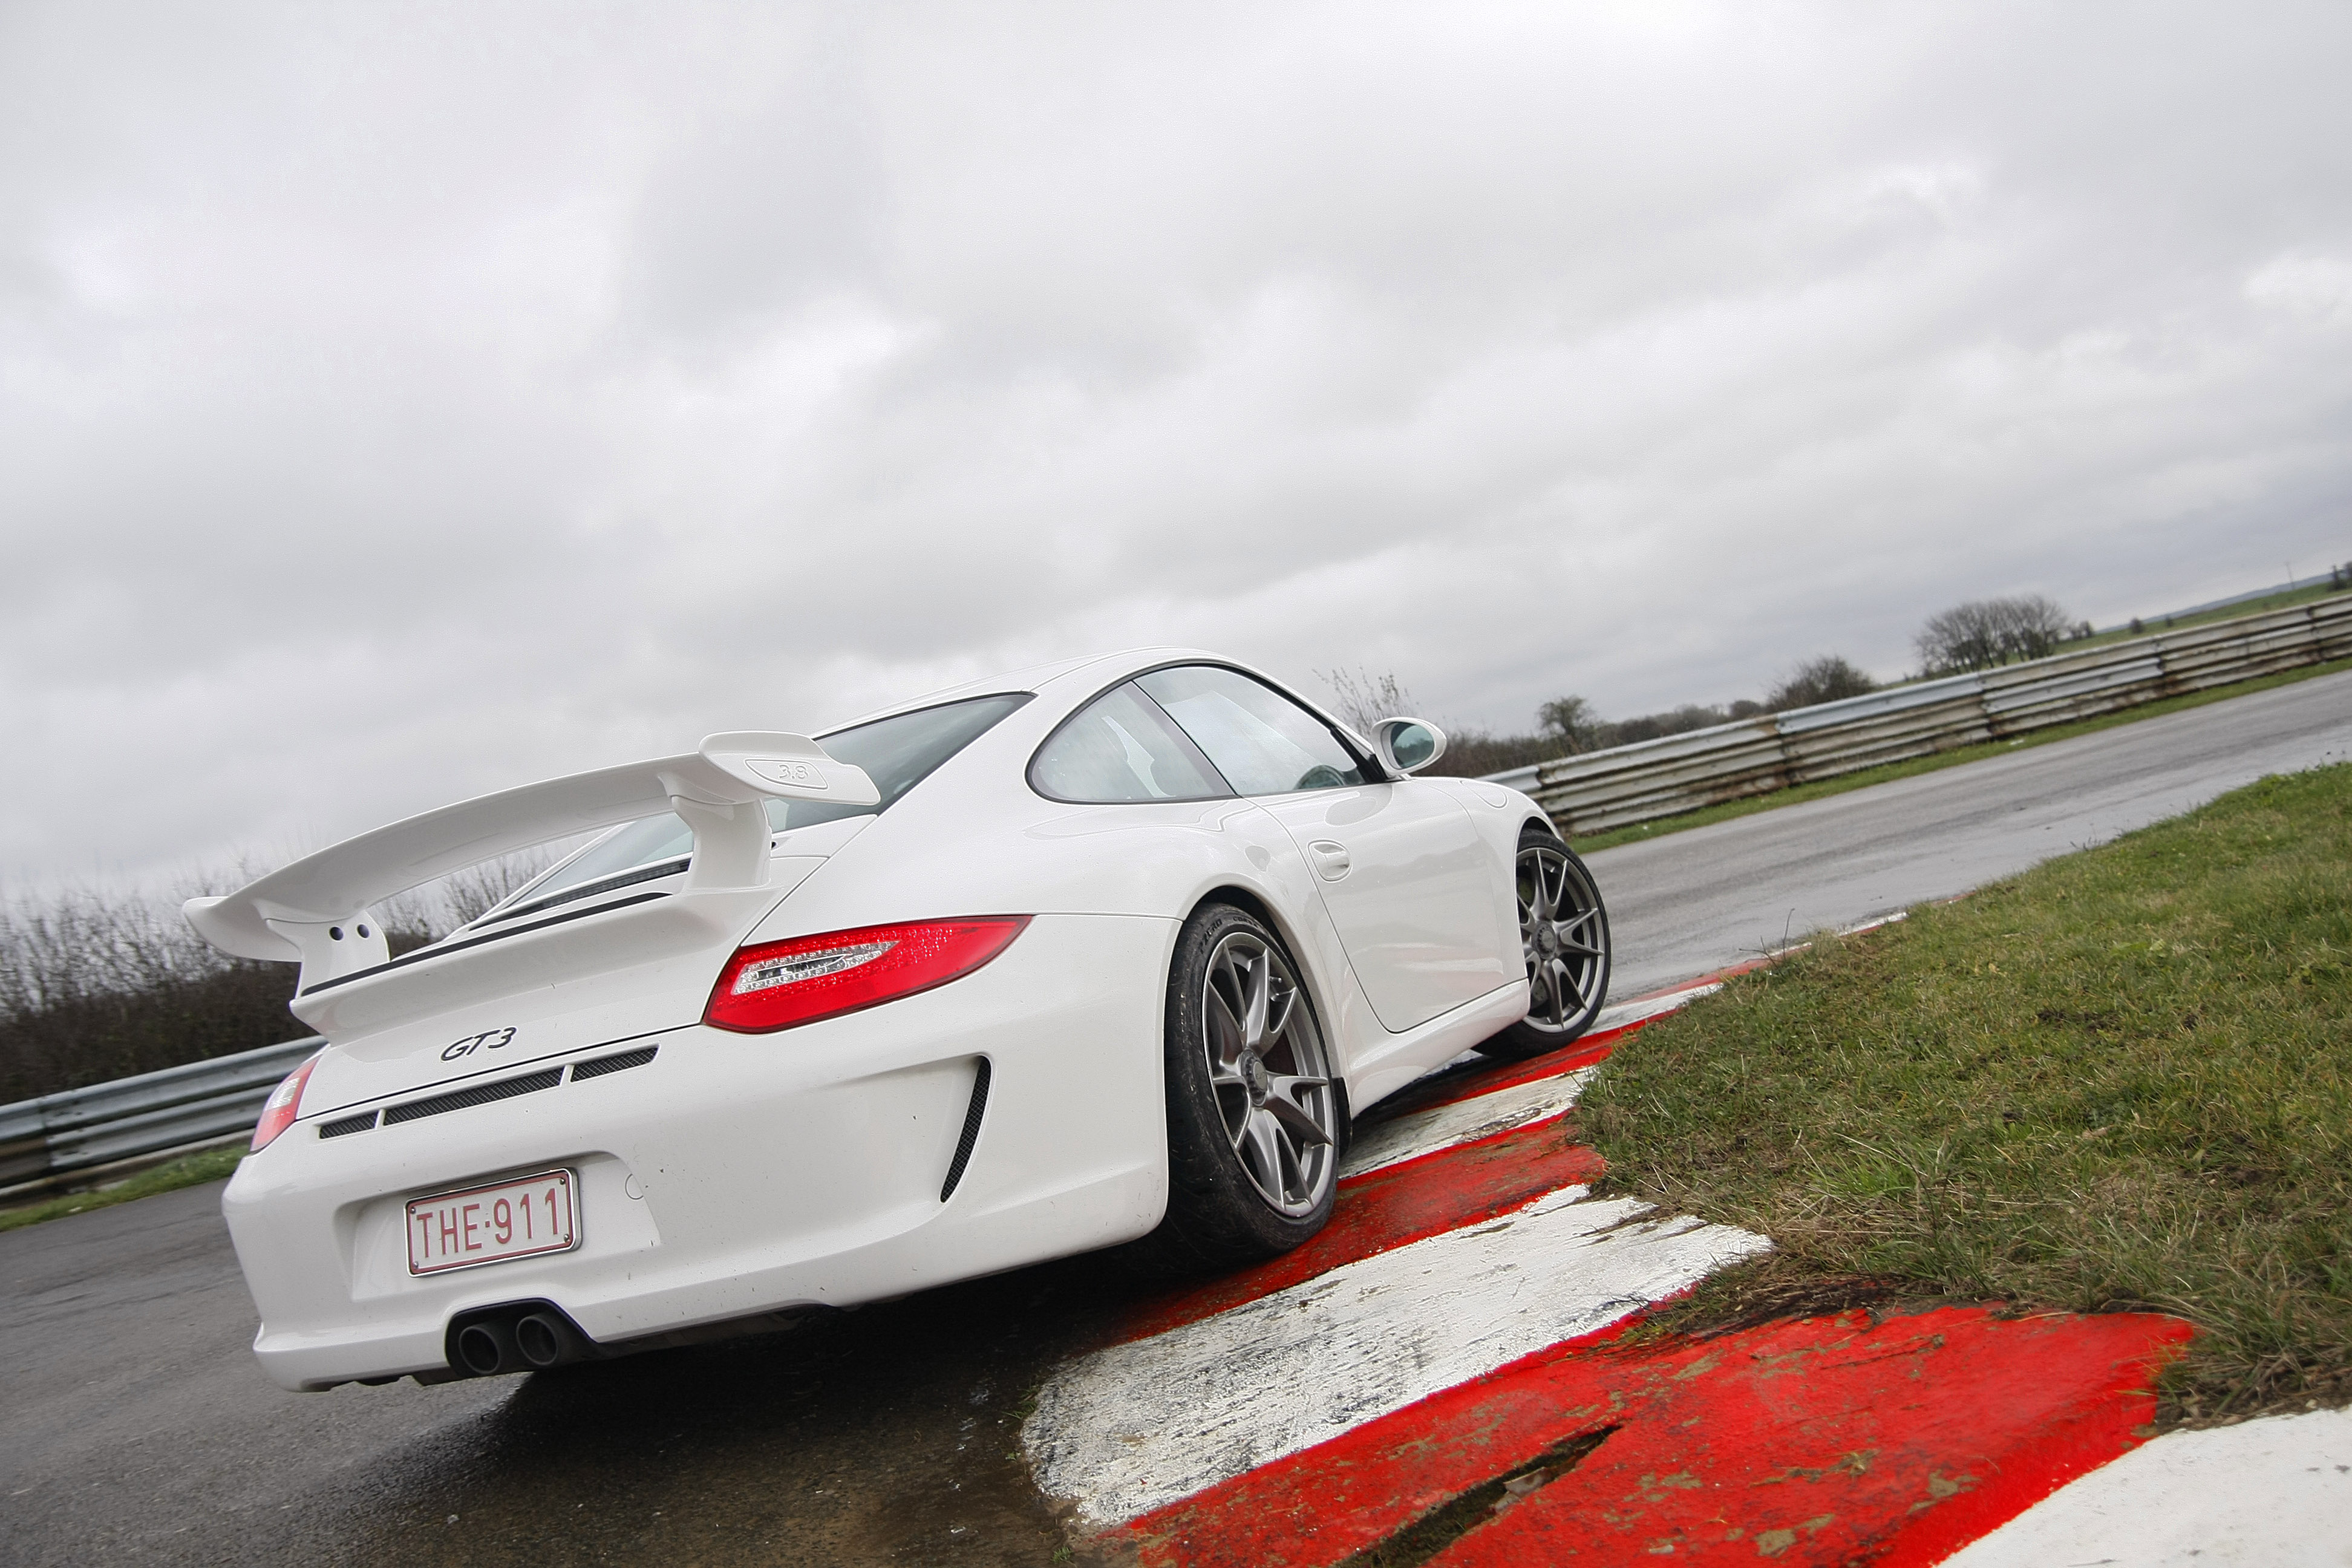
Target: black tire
1255,1128
1567,970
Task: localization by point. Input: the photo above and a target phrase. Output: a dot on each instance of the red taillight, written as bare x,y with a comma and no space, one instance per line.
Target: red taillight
285,1103
777,984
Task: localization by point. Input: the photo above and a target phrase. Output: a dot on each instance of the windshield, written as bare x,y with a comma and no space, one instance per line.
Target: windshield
898,753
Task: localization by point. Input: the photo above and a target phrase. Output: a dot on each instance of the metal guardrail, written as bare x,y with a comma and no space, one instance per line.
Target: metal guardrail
1650,779
79,1128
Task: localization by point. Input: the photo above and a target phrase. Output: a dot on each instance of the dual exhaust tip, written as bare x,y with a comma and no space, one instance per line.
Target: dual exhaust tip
528,1336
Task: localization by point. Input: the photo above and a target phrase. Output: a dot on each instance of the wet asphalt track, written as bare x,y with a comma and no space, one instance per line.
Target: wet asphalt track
133,1424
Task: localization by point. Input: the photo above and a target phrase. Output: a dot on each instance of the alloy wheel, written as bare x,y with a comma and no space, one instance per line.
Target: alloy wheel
1563,936
1267,1070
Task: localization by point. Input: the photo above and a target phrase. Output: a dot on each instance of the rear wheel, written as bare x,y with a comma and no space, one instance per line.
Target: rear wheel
1254,1116
1564,936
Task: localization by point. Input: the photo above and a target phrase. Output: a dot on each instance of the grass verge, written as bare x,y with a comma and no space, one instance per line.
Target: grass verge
1592,843
2123,1079
187,1171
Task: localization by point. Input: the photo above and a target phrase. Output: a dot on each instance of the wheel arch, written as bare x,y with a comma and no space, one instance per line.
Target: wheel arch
1326,989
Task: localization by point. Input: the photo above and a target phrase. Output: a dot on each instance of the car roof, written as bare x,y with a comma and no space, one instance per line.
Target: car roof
1088,672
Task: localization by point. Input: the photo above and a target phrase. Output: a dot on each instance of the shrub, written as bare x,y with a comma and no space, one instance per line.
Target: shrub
1679,720
1825,680
1571,721
98,984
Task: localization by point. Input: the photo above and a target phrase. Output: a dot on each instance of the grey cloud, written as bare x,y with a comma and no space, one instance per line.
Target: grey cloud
397,403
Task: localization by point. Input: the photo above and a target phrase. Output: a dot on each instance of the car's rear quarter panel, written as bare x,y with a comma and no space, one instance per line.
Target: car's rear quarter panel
773,1170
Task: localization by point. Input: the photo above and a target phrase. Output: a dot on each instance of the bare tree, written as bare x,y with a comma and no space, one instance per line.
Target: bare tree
430,911
1571,721
1984,632
1363,699
1824,679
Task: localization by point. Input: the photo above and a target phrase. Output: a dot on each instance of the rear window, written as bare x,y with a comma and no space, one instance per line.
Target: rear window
898,753
1122,747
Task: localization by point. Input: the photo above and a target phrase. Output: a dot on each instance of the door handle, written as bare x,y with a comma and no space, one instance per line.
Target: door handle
1330,860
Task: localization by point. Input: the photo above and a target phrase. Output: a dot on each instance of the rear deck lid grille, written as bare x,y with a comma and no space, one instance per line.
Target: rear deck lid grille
480,1094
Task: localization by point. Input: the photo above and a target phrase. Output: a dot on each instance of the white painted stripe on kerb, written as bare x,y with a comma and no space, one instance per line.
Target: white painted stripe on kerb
1380,1143
2258,1495
1136,1426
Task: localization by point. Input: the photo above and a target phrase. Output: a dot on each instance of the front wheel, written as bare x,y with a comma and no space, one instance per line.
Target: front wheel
1564,937
1253,1112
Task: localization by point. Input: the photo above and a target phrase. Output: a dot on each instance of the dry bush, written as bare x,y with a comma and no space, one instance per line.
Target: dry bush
100,984
1828,679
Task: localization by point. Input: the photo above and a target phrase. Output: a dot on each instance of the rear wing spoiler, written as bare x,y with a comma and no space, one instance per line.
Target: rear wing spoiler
315,911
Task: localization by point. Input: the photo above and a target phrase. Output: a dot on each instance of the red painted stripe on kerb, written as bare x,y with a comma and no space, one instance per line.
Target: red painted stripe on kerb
1387,1209
1824,1440
1453,1087
1448,1088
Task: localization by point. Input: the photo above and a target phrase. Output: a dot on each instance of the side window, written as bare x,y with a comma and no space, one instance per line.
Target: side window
1263,743
1121,747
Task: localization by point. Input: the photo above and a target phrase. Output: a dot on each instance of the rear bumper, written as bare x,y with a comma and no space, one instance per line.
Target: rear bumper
739,1174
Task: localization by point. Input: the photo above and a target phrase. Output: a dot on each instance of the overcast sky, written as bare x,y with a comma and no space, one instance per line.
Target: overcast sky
398,402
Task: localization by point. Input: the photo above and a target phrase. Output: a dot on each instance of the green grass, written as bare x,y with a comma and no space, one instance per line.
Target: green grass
2123,1079
188,1171
1592,843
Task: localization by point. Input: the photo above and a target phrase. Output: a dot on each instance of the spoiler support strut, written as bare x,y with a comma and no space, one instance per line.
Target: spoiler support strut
315,911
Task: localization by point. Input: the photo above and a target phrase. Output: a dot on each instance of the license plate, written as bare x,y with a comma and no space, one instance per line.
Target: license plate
492,1223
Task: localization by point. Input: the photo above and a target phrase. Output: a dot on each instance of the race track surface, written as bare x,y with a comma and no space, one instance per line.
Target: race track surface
133,1423
1698,901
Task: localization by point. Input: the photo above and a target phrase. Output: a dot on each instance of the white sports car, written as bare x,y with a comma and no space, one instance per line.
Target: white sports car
1100,952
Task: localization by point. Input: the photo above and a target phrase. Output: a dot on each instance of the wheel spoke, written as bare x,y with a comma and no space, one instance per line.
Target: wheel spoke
1226,1040
1279,1014
1260,1146
1260,1000
1294,1118
1562,987
1293,1163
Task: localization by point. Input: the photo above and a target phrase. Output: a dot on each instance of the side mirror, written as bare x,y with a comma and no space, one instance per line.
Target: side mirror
1408,745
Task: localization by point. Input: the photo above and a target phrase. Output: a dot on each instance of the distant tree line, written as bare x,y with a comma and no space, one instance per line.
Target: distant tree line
1981,634
1568,725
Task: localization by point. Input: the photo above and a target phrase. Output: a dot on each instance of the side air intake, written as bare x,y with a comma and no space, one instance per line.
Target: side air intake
971,1116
